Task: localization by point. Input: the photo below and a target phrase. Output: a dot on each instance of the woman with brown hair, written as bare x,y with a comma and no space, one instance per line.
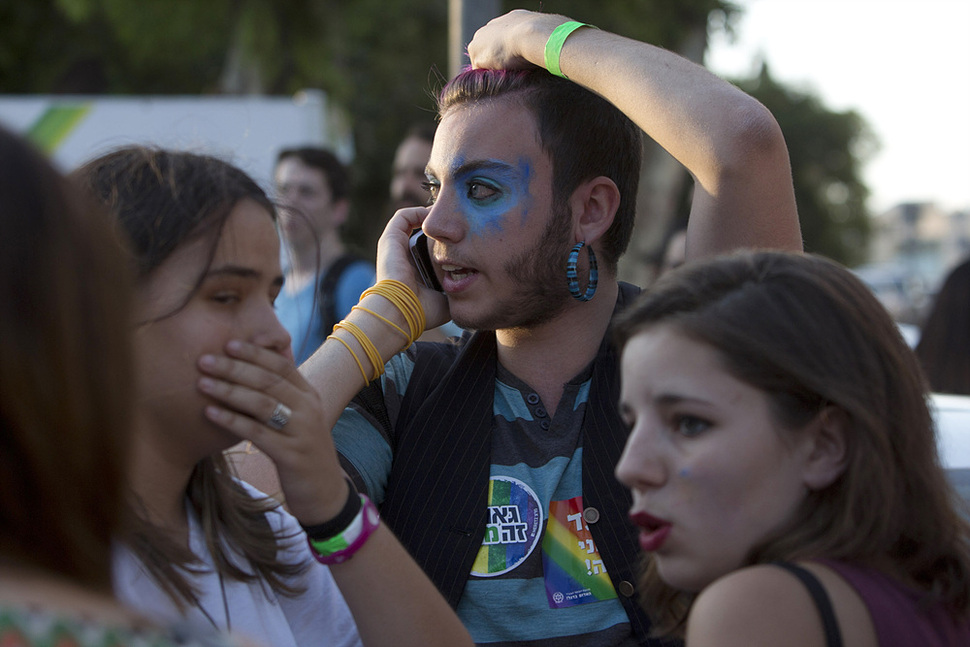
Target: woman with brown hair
779,427
215,367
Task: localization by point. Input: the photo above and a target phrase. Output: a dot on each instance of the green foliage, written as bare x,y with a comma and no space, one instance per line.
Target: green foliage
382,61
827,150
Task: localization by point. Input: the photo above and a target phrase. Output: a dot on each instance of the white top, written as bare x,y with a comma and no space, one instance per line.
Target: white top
319,616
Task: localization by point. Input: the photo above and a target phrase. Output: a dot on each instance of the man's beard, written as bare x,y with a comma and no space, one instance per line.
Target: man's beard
539,276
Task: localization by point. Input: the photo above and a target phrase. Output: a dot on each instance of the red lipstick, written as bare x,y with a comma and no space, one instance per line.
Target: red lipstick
653,531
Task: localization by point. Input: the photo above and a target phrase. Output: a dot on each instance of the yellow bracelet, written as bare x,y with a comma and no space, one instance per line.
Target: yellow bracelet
373,355
388,290
401,296
352,354
410,302
385,320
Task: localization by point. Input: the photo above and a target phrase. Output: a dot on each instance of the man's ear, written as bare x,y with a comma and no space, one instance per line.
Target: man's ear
593,205
827,450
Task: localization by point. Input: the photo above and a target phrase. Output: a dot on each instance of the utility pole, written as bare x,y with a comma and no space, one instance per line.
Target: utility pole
464,18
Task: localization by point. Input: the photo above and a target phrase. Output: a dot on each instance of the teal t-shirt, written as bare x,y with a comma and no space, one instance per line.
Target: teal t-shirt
538,578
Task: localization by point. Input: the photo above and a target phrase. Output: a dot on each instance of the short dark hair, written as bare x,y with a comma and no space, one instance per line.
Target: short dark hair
336,172
585,136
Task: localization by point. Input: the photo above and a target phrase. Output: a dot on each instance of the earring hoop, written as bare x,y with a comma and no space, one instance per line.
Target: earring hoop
572,278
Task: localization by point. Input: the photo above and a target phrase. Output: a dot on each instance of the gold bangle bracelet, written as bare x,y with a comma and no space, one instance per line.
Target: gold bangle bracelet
385,320
373,355
352,354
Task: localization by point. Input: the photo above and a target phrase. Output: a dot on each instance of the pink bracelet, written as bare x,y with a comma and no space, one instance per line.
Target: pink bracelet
342,547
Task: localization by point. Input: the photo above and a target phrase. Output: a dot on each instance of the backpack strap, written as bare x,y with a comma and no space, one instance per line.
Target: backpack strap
830,625
327,294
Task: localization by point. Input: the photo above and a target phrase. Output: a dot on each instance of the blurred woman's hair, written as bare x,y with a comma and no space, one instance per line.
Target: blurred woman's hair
66,370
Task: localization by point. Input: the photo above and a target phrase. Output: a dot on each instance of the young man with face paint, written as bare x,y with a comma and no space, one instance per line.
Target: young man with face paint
492,459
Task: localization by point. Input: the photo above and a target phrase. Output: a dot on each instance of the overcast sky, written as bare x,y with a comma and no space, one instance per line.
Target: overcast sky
903,64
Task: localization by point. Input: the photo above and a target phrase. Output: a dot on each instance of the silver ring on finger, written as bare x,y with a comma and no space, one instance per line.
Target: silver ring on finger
281,416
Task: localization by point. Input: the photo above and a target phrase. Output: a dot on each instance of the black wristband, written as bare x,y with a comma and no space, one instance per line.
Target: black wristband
338,524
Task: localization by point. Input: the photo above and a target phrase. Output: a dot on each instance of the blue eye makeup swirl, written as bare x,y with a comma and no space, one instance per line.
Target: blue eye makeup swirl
488,191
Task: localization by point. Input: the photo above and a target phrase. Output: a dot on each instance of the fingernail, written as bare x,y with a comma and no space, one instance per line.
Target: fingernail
207,361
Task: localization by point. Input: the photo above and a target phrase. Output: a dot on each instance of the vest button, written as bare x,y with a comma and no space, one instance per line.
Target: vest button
532,398
627,589
591,515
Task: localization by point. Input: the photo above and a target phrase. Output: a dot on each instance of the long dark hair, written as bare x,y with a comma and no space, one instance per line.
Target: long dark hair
810,335
66,368
161,200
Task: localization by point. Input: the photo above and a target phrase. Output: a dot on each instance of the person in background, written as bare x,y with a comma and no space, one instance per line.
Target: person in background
66,406
215,367
944,340
323,278
783,463
408,181
409,188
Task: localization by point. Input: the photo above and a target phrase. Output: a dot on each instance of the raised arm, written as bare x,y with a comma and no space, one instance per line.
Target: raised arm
727,140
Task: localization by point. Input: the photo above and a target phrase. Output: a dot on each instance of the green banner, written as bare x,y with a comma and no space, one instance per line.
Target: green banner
55,124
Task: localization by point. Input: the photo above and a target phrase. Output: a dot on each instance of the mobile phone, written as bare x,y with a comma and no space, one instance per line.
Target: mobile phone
422,260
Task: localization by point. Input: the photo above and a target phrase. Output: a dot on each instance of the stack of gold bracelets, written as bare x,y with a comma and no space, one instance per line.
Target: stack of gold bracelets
406,302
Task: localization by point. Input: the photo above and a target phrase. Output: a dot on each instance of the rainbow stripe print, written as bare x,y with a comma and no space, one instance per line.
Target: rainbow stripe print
574,571
514,527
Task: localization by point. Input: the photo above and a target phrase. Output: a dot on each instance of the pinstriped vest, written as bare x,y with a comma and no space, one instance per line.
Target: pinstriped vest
436,496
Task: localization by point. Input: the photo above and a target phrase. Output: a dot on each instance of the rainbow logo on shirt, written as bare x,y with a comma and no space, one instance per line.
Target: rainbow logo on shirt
514,527
572,566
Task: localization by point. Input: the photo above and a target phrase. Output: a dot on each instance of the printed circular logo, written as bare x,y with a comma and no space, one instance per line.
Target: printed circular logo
514,527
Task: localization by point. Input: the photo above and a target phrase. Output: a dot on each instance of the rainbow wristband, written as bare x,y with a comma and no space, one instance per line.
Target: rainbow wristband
341,547
554,45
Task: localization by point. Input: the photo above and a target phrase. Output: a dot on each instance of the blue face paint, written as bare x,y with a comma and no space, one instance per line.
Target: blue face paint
490,190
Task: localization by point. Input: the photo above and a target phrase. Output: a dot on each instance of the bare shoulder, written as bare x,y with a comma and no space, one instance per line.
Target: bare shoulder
766,605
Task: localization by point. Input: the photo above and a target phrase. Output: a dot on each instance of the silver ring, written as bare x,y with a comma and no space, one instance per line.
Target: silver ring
281,416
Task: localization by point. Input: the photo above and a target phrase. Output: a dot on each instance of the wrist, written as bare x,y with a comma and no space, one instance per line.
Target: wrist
338,522
342,546
555,43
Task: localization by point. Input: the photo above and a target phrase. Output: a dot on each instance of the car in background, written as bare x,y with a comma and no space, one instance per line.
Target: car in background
952,416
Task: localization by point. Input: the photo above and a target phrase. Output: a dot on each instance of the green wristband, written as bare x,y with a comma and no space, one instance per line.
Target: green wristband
554,45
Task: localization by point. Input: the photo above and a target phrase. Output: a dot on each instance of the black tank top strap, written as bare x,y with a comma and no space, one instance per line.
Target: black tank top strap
833,637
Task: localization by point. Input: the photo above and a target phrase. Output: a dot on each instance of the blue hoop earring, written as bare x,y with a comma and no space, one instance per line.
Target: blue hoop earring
571,277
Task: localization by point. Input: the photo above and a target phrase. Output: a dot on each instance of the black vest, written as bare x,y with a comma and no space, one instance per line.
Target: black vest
436,497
